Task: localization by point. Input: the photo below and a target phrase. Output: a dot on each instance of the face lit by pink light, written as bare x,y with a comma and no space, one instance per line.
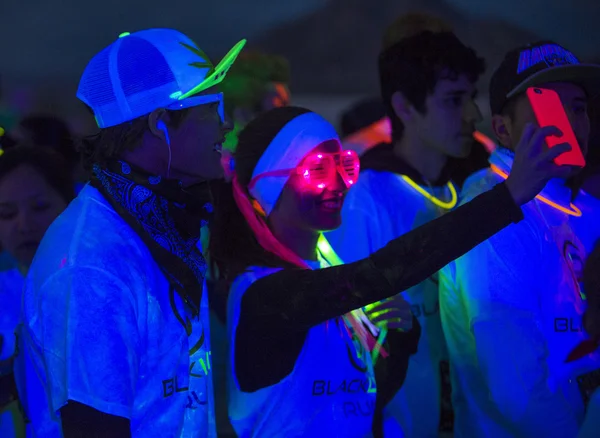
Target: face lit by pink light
309,200
320,170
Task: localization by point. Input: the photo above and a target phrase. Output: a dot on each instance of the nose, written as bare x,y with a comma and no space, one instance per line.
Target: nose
471,113
338,185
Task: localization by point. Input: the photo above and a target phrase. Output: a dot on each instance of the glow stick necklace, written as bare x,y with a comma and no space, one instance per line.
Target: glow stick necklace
573,212
442,204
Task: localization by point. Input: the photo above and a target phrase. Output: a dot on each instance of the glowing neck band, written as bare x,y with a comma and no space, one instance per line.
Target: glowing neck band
573,212
332,258
445,205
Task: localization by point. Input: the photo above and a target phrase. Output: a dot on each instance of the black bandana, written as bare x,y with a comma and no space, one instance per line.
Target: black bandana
166,217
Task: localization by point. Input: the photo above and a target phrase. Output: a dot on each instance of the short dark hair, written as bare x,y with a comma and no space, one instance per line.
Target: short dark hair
414,65
49,163
110,143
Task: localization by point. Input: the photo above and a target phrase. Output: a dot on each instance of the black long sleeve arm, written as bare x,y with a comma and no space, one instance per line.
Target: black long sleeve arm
296,300
278,310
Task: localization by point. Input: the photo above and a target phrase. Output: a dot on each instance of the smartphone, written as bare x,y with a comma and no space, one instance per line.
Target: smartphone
549,111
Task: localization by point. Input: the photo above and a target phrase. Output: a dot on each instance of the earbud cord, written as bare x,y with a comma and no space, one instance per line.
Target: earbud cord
169,164
168,140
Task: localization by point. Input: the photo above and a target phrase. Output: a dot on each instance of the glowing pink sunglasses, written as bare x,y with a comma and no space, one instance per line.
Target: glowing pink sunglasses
320,169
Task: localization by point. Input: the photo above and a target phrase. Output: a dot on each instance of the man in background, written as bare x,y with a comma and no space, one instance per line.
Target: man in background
512,307
428,79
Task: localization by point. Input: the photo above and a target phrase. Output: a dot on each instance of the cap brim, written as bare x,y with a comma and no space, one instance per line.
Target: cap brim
587,75
220,71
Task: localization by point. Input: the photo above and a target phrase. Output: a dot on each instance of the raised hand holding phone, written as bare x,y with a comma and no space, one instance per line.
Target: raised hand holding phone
549,111
534,164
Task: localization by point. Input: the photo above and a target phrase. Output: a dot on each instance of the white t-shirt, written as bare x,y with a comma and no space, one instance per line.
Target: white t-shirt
103,328
6,261
511,310
381,207
587,226
330,392
11,287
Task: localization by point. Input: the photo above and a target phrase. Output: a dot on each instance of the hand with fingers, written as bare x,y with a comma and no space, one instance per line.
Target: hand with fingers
534,165
393,313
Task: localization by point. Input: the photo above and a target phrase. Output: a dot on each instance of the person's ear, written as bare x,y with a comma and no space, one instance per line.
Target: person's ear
402,107
157,124
501,125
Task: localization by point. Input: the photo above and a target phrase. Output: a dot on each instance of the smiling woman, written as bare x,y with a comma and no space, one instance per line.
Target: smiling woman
304,330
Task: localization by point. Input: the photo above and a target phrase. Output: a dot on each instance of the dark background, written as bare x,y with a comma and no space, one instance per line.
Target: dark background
332,44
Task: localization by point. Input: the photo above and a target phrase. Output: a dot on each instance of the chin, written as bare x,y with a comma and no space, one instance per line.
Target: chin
329,224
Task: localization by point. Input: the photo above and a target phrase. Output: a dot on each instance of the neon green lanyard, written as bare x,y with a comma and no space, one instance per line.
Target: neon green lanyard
333,259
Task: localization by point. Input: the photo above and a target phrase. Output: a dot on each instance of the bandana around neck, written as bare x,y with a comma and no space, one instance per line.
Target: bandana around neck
167,218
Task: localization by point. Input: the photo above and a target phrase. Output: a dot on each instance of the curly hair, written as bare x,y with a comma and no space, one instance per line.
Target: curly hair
112,142
247,80
414,65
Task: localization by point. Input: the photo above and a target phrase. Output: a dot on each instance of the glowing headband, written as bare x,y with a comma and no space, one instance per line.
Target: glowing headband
297,138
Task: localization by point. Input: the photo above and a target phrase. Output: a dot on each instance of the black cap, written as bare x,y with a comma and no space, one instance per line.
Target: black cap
536,64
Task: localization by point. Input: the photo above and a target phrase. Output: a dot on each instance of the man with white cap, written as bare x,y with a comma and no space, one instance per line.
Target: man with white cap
115,339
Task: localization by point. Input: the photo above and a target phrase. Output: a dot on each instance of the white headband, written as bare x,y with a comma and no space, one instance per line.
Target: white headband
297,138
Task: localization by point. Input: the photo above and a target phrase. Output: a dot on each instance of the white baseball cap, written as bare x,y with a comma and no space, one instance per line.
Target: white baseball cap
146,70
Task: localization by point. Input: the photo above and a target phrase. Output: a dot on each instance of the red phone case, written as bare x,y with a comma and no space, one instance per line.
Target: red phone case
549,111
